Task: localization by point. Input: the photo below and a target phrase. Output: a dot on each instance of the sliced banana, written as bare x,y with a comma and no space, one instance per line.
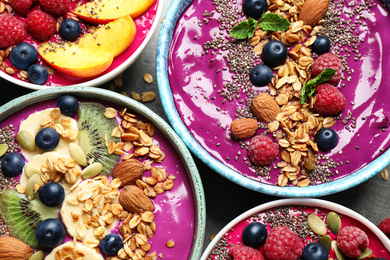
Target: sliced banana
74,251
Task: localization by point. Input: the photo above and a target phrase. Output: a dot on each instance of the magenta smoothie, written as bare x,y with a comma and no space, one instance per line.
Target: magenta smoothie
199,80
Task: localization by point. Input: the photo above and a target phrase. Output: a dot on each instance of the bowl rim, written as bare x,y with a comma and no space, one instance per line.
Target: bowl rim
105,77
193,176
174,12
310,202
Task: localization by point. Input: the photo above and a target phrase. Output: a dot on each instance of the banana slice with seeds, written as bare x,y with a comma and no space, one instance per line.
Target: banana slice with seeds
71,250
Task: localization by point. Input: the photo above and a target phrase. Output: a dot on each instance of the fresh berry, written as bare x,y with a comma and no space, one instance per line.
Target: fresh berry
274,53
47,139
12,164
329,100
70,30
314,251
262,150
261,75
351,241
111,244
41,25
242,252
23,56
321,45
328,60
21,6
15,33
254,234
254,8
326,139
50,232
51,194
56,7
384,226
68,105
37,74
283,244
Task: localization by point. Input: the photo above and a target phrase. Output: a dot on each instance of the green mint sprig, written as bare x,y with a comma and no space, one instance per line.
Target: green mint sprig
309,88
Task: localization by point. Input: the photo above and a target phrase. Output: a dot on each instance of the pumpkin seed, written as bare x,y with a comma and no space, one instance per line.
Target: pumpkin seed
326,241
92,170
3,149
78,154
338,253
316,224
26,140
30,170
366,252
30,193
38,255
334,222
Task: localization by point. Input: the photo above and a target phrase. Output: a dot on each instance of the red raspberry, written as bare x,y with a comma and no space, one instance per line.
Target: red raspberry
283,244
242,252
14,33
21,6
56,7
262,151
329,100
40,25
384,226
328,60
351,241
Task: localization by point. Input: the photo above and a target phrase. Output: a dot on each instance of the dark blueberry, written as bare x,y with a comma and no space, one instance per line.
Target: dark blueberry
23,56
254,234
111,244
37,74
254,8
68,104
69,30
47,139
261,75
321,45
274,53
314,251
12,164
50,232
380,258
51,194
326,139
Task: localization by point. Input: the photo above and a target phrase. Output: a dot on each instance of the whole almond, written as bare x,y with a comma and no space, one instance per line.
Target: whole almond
128,171
12,248
313,11
134,200
243,128
265,108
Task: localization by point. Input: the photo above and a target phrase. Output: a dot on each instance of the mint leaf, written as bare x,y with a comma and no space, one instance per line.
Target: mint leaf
273,22
309,88
244,30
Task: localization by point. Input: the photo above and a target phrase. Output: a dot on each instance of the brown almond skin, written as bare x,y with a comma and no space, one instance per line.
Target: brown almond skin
128,172
265,108
13,249
313,11
243,128
133,199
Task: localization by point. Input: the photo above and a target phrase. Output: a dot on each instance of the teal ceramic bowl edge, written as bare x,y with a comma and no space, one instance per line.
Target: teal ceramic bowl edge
174,12
109,96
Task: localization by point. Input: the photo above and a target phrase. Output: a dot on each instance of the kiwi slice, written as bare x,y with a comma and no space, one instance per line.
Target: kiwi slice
22,216
93,127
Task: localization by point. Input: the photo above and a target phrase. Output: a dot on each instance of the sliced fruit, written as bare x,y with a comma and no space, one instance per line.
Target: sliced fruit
22,216
77,250
94,127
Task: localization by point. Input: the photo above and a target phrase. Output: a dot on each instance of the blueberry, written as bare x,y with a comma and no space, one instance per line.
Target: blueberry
111,244
261,75
68,105
254,8
12,164
321,45
23,56
326,139
47,139
69,30
37,74
254,234
50,232
51,194
314,251
274,53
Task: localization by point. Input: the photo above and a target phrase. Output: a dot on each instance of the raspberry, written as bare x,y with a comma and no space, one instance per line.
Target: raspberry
40,25
384,226
328,60
351,241
21,6
15,32
262,151
283,244
329,100
243,252
56,7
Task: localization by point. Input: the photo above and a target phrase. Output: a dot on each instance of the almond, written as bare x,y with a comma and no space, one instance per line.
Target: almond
265,108
134,200
12,248
313,11
243,128
128,172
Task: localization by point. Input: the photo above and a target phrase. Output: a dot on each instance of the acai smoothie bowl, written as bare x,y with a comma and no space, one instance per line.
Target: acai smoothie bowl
90,174
302,229
287,97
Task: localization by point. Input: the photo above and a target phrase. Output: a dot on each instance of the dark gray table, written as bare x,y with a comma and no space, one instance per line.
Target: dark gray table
224,199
